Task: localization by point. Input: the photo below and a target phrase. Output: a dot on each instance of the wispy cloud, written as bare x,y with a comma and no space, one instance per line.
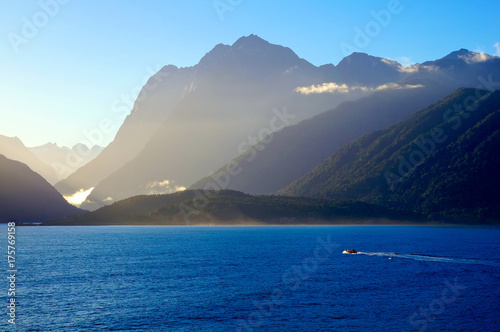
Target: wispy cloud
79,197
497,48
333,87
163,187
410,69
390,62
323,88
398,62
404,60
395,86
418,67
476,57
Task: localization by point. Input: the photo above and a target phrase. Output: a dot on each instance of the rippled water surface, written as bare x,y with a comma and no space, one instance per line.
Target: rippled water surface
255,279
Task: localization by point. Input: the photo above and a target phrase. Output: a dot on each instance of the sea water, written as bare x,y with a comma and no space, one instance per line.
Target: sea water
267,278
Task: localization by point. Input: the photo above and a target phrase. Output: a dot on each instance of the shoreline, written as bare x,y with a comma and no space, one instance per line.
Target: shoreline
370,222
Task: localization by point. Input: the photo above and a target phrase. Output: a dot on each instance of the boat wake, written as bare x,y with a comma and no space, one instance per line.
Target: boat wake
430,258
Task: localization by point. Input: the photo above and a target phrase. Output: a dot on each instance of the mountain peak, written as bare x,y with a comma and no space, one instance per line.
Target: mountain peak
250,41
360,68
458,54
461,57
12,140
252,52
362,58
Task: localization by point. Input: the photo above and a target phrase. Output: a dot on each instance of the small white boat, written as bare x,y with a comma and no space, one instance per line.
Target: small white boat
352,251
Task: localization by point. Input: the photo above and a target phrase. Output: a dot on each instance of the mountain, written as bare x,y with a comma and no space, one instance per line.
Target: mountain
25,196
201,117
442,163
13,148
234,92
63,159
461,68
233,208
296,150
362,69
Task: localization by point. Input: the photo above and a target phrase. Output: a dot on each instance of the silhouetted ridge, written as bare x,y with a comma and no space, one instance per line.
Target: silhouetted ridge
26,196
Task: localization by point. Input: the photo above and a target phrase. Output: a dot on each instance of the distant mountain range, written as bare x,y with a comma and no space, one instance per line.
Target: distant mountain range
64,160
26,196
52,162
441,163
13,148
189,122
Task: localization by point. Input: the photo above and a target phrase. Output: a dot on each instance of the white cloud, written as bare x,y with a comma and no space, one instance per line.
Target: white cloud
395,86
163,187
333,87
409,69
403,64
476,57
390,62
416,68
497,48
323,88
399,62
79,197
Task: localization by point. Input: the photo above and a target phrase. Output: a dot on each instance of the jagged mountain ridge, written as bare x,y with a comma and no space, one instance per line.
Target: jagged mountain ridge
64,160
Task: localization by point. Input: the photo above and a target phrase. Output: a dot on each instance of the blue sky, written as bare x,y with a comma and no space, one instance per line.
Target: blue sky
58,81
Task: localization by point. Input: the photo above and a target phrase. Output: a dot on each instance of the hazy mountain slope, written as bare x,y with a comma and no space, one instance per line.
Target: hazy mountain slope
437,163
236,91
64,160
296,150
156,100
26,196
232,208
13,148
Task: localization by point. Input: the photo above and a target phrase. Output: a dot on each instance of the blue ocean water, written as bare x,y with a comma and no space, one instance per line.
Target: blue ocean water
255,278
